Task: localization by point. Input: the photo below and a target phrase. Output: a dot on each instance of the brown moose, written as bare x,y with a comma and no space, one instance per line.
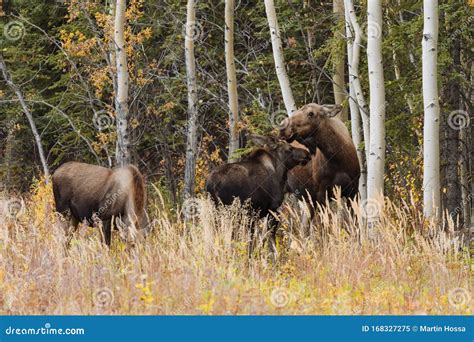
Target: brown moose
91,192
259,178
334,159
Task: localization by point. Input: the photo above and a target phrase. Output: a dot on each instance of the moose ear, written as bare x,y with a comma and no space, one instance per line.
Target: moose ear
259,140
330,111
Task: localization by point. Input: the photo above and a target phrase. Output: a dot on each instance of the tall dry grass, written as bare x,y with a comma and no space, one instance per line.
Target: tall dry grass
202,266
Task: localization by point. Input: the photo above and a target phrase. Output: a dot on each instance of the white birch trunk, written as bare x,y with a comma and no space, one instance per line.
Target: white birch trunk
356,127
112,60
191,142
29,116
354,74
283,79
231,79
338,79
431,178
121,99
376,162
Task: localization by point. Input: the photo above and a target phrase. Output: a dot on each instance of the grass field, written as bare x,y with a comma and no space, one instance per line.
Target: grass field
202,267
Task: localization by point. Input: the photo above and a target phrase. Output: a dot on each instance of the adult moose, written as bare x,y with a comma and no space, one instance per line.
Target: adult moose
260,177
93,192
334,158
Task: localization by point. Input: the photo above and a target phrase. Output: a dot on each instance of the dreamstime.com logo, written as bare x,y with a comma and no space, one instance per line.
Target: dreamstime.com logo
280,297
371,30
193,30
371,208
14,30
46,330
191,208
459,119
102,120
13,208
278,119
103,297
459,297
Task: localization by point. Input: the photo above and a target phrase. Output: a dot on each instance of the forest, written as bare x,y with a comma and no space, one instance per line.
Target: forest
193,92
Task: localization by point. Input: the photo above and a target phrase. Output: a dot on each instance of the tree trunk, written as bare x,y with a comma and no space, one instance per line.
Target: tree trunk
278,57
376,163
356,126
8,79
231,80
111,53
191,142
338,79
310,30
121,101
470,132
431,179
464,185
452,156
354,75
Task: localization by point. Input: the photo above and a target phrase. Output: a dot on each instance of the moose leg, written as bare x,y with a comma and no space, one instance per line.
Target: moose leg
272,225
307,214
107,232
71,228
251,245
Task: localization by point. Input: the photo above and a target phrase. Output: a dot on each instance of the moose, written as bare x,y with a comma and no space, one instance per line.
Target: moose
91,193
334,159
259,178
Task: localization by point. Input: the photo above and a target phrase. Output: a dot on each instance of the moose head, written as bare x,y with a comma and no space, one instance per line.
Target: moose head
306,121
282,151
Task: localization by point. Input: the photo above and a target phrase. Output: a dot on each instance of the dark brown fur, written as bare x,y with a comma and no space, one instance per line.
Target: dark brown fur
90,191
259,178
334,159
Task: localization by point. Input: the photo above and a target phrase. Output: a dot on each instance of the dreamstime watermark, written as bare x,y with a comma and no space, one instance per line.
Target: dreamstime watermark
14,30
459,119
103,297
191,208
459,209
280,297
277,119
110,199
46,330
459,297
7,130
149,225
193,30
371,208
14,207
371,30
102,120
8,126
202,285
465,25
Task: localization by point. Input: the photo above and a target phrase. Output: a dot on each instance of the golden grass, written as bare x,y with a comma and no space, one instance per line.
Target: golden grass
202,267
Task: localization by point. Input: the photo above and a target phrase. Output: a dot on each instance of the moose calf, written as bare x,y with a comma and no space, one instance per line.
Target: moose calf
260,177
93,192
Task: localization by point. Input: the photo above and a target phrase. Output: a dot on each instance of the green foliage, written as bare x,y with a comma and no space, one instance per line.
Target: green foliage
67,87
